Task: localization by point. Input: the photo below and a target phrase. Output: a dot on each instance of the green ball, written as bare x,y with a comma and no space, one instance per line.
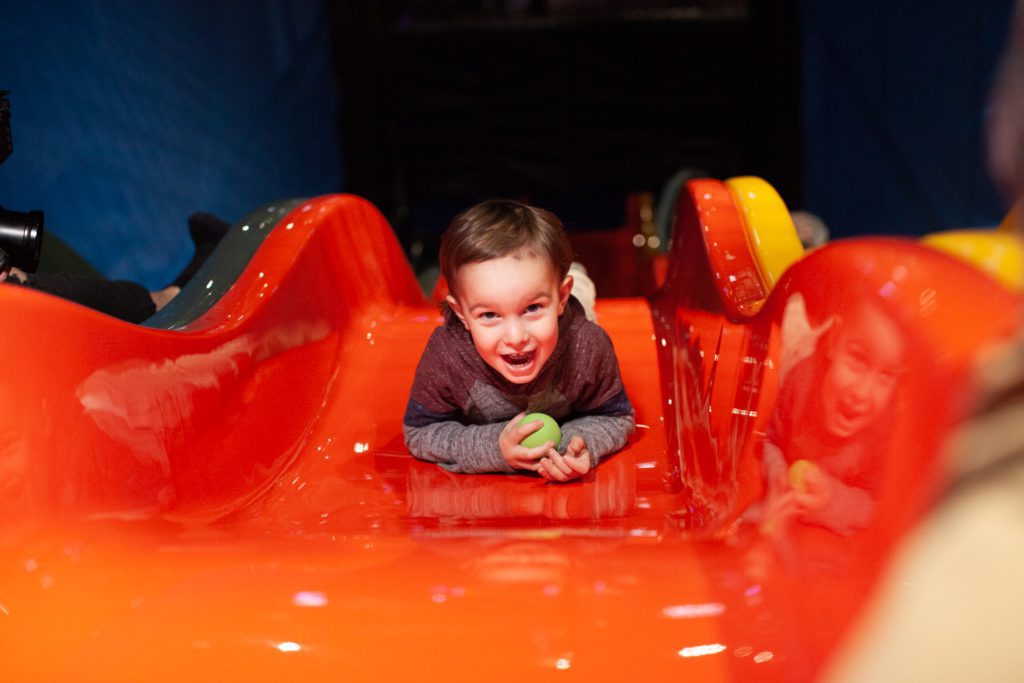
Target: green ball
549,432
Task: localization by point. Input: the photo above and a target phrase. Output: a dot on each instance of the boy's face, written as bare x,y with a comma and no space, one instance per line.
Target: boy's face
865,364
510,305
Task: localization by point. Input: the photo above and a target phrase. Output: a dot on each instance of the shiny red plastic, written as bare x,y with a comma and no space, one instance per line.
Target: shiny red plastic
233,501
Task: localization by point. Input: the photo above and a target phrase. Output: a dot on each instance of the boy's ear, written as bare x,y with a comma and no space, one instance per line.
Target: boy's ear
454,305
564,290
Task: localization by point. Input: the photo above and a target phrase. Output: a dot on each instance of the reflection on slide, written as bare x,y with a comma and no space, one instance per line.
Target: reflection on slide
225,494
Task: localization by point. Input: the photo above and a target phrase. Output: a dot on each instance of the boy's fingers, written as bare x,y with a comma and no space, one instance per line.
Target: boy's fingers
513,423
552,470
524,430
539,452
542,470
559,462
528,458
580,463
576,447
520,430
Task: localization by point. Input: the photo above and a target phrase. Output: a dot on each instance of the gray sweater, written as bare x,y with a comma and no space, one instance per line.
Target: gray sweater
459,405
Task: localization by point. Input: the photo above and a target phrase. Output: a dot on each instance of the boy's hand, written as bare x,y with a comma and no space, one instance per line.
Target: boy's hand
516,455
816,490
573,464
779,511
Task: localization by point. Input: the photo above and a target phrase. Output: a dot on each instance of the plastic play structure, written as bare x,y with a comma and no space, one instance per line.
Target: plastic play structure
224,494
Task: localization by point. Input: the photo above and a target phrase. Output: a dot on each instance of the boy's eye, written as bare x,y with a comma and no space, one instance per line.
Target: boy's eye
891,374
855,353
853,361
534,308
488,315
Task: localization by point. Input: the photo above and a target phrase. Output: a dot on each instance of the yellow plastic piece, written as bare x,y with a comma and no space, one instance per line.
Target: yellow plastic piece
999,253
770,229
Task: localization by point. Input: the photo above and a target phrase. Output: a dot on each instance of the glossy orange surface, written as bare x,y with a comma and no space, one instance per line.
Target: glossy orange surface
233,500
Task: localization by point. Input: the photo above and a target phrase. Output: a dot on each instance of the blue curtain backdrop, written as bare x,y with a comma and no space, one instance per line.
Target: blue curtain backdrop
894,109
129,115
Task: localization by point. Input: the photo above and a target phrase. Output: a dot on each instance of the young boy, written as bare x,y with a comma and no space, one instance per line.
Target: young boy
514,341
835,412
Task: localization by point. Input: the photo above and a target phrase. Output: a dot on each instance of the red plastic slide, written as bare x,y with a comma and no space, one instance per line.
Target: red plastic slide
231,500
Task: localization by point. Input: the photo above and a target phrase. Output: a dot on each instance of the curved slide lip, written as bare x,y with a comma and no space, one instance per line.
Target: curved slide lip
734,268
224,266
231,498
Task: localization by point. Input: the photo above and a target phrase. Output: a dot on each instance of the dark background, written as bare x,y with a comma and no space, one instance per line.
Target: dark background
128,116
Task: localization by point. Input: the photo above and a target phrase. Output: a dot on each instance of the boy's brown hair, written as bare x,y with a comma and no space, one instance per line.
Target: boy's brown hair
497,228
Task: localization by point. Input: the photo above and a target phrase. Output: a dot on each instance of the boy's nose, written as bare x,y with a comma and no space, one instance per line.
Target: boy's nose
862,389
515,333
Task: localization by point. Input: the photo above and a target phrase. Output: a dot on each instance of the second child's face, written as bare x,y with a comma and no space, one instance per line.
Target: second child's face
510,305
865,365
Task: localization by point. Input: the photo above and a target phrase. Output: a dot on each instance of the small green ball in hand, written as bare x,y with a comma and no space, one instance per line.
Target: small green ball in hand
798,474
549,432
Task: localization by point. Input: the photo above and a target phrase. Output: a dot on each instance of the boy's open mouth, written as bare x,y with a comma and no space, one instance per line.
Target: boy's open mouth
848,417
850,412
519,362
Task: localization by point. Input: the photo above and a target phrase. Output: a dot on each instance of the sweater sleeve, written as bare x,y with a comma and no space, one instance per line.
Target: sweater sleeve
603,434
457,447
